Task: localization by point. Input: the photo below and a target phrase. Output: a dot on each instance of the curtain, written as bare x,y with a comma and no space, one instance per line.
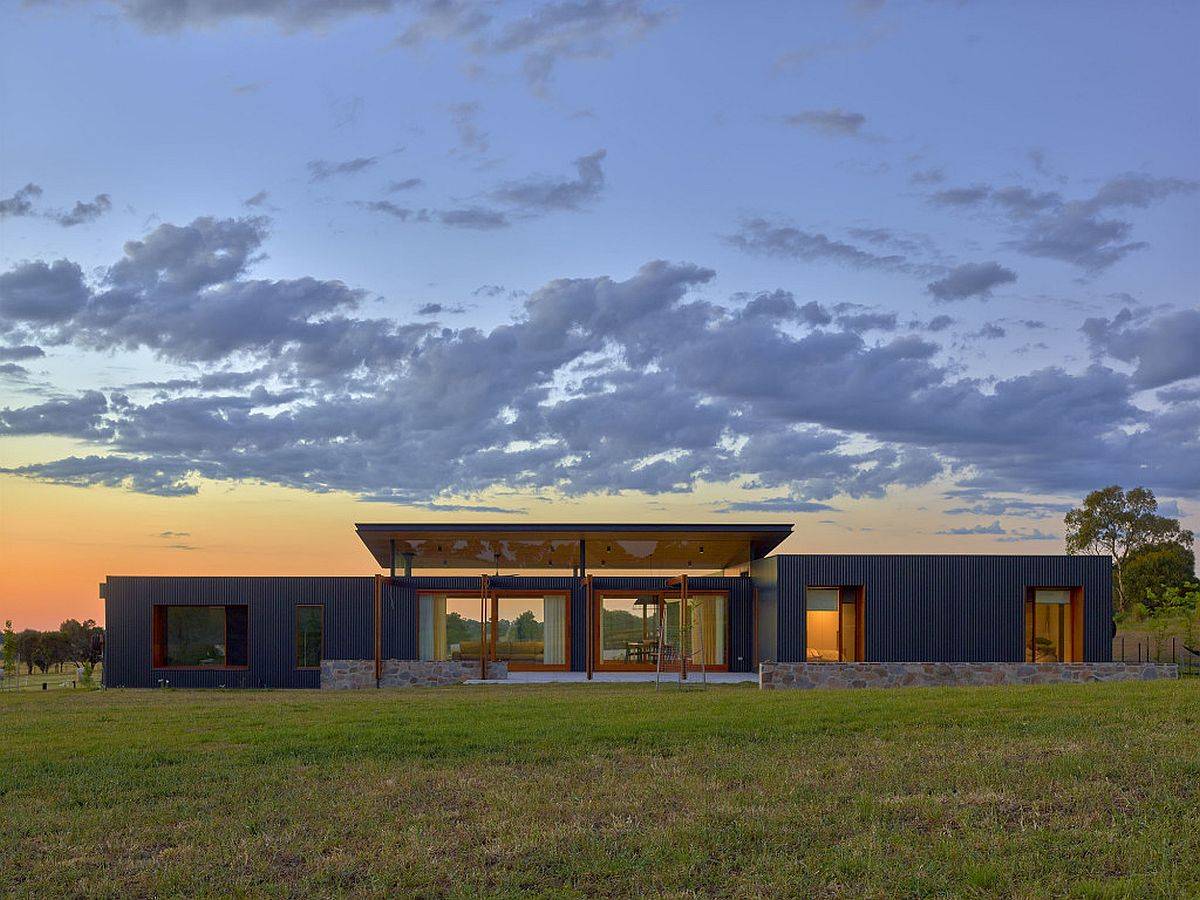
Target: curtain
554,630
708,628
432,627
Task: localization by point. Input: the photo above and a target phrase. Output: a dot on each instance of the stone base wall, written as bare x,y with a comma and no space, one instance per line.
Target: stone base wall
352,674
803,676
435,673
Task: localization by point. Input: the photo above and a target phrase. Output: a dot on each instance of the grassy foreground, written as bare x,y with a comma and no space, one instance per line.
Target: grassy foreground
604,790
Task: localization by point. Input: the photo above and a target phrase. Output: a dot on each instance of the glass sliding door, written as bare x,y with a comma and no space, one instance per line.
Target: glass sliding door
530,632
448,627
524,631
625,636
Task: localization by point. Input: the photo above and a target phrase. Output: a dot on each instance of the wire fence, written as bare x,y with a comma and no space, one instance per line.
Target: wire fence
1139,648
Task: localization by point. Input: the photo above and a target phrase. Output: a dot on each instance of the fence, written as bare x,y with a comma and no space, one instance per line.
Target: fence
1145,648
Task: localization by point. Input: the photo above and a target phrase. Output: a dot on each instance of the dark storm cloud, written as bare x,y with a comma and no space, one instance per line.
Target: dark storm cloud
595,385
828,122
550,195
83,212
21,202
971,280
322,169
1165,348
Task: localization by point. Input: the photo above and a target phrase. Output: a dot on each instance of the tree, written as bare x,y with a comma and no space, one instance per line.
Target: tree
10,650
29,648
84,640
1122,525
1151,572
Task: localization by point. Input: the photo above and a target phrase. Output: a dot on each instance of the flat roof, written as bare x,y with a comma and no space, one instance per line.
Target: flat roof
606,546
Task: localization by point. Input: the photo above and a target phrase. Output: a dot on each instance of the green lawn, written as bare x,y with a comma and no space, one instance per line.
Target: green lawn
604,790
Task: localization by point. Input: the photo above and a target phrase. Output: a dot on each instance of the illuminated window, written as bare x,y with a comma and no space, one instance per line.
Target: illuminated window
200,637
1050,619
833,624
310,627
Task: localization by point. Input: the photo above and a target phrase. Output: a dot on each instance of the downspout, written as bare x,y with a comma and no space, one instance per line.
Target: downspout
378,629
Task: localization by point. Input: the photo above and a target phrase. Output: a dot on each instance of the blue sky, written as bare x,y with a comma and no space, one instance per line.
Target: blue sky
942,251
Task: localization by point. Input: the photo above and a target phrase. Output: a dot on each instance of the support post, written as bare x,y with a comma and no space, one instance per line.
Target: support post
483,619
378,629
589,616
683,618
392,557
408,558
582,558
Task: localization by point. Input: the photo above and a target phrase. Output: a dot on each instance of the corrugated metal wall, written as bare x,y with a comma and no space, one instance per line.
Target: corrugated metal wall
129,601
943,608
349,621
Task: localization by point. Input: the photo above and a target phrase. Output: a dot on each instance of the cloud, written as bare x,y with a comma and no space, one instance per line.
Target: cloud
438,309
595,385
21,351
288,15
775,504
83,212
322,170
934,175
1079,232
407,184
471,138
971,280
550,195
991,331
257,200
20,203
1165,348
81,417
473,217
763,238
828,122
38,293
993,528
174,534
163,478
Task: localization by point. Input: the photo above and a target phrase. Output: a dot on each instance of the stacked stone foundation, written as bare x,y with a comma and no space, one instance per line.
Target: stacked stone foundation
808,676
353,674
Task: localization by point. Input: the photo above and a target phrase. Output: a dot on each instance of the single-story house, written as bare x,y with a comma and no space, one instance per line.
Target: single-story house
594,598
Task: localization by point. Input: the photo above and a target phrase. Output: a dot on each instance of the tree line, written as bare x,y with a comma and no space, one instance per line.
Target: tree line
75,642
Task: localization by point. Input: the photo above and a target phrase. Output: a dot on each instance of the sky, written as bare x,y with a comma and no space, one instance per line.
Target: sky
914,277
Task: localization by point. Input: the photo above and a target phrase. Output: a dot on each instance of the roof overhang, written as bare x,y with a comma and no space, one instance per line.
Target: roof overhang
605,547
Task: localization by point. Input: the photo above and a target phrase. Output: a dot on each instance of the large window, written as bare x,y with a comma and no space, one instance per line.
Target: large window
626,634
522,630
310,628
531,630
200,637
1052,616
448,627
833,624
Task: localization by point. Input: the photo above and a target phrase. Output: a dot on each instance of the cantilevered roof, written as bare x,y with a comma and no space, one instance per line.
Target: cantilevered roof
475,546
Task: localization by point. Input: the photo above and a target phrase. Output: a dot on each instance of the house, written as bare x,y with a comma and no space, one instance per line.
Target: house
590,599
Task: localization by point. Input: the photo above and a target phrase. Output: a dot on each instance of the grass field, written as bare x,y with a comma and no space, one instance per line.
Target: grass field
604,790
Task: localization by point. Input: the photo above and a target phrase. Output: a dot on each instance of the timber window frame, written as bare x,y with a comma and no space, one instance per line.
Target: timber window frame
301,647
235,637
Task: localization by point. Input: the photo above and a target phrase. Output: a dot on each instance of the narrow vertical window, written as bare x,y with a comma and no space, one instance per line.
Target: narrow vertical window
310,634
1050,626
